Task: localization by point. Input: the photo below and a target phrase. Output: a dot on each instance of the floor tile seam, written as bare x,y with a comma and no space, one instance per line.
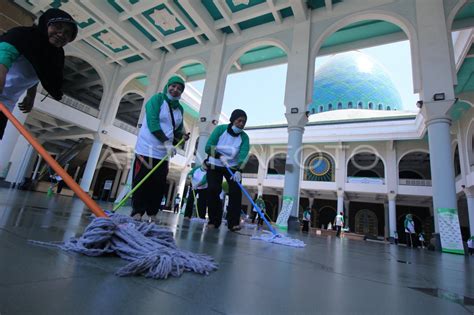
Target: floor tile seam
19,284
184,297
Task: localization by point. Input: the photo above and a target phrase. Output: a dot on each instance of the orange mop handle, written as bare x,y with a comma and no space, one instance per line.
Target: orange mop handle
54,165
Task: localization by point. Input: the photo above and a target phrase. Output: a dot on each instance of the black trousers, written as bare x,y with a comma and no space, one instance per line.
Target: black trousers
148,197
214,181
3,124
338,229
201,195
305,226
61,185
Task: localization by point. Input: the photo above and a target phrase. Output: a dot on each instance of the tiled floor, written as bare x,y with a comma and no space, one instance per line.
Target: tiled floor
329,276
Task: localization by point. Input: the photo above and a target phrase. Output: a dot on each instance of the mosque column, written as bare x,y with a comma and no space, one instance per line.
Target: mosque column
212,96
297,97
21,156
91,164
470,208
181,183
437,94
38,163
9,141
392,215
340,201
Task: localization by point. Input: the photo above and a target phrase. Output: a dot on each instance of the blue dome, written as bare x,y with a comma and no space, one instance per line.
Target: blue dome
353,80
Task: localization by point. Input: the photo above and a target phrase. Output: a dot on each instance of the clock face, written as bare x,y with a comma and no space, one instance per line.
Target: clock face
319,168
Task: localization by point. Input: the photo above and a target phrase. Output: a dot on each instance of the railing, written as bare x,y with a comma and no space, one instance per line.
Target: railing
72,102
414,182
366,180
275,176
249,175
124,126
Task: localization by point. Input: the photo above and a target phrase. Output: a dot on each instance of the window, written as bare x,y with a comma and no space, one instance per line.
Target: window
349,105
330,107
388,108
380,107
371,105
321,108
359,105
339,105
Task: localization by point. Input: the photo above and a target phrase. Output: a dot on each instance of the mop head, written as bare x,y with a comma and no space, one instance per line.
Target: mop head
198,220
269,237
150,250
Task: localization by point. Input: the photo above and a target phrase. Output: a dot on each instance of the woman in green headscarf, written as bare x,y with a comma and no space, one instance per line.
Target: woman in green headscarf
162,128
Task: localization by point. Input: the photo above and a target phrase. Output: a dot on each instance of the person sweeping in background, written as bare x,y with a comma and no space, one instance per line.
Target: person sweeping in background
29,55
198,177
162,128
229,146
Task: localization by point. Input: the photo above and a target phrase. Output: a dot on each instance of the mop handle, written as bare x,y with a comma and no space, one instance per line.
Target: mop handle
253,203
54,165
195,203
122,202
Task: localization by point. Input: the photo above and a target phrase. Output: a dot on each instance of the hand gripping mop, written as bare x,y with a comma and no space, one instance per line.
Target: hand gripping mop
273,236
149,250
122,202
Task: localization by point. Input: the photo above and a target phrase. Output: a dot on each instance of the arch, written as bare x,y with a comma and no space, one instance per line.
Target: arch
423,171
321,108
249,46
349,105
411,151
329,107
322,169
452,14
339,105
380,107
470,142
366,222
176,67
391,17
95,64
371,105
378,168
360,105
456,160
81,81
251,167
325,215
388,108
129,108
279,168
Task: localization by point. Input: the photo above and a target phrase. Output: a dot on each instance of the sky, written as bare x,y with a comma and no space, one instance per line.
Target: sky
261,92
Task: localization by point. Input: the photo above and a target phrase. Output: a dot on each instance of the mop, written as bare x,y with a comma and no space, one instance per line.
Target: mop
271,236
122,202
198,217
150,250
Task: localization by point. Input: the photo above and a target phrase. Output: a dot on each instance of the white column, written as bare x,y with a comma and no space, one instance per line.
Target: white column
213,93
91,164
340,202
113,192
470,207
10,139
76,173
435,59
20,157
386,221
297,97
392,215
38,163
182,182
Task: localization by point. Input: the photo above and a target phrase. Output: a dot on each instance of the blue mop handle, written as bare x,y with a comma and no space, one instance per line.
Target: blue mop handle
260,213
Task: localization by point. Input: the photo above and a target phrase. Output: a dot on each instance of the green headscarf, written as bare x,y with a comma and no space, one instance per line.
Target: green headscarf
172,80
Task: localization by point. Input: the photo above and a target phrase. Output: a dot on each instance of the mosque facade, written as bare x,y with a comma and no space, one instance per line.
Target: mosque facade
354,149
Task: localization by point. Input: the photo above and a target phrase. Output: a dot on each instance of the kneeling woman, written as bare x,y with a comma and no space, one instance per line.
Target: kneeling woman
162,128
227,145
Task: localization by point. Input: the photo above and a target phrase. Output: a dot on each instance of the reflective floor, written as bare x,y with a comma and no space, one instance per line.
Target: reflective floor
329,276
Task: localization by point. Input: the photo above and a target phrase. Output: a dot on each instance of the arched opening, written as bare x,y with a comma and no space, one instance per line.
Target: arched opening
321,109
248,72
457,162
276,165
380,107
359,105
371,105
366,223
319,167
326,215
129,108
83,84
414,165
251,168
367,165
470,144
349,105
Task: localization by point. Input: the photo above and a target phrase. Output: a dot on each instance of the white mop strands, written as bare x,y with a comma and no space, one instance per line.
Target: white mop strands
150,250
275,237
